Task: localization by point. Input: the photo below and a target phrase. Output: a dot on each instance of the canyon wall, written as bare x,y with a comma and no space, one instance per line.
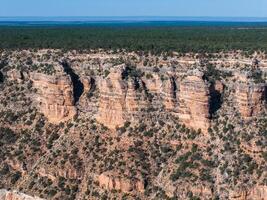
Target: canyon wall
121,97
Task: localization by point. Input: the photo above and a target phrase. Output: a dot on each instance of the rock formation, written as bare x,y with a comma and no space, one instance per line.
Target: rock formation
194,100
87,83
14,195
249,96
15,75
119,99
112,100
55,96
110,182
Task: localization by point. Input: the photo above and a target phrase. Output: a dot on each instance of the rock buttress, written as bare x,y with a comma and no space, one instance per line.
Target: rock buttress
55,97
194,102
250,98
120,99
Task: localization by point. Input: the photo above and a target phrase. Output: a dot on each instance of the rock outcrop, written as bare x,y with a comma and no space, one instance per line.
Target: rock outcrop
15,75
55,96
110,182
14,195
249,97
194,101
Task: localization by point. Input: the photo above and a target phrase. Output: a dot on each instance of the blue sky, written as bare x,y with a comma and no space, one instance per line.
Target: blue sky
218,8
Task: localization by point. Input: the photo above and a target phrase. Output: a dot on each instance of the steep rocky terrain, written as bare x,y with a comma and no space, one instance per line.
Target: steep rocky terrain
106,125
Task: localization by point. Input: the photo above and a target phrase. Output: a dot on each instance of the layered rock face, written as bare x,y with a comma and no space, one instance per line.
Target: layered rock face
250,97
255,193
119,99
13,195
194,102
112,100
55,97
168,93
112,182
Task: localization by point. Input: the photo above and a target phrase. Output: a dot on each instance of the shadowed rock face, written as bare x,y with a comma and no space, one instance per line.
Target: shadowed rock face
194,102
216,91
1,77
78,87
55,97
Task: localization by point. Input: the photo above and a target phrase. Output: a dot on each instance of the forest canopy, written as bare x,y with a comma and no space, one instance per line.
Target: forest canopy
154,39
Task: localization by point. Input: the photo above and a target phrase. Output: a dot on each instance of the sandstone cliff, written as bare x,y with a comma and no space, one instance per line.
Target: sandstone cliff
54,96
119,98
249,96
194,101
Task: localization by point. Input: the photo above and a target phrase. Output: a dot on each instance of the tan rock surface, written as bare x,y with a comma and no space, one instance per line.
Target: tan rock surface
194,99
55,97
250,98
119,99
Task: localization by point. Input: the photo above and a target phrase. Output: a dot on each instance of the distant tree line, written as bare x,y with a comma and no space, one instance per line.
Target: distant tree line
153,39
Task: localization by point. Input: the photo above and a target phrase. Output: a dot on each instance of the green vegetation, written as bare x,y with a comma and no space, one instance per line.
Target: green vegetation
151,39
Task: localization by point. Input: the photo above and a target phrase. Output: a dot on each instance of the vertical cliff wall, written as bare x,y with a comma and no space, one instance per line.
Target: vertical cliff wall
250,97
54,96
194,102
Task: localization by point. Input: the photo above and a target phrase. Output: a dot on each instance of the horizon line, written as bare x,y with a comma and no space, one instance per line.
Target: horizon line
135,18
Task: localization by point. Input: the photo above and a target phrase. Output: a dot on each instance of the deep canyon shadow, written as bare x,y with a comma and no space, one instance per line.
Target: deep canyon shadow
78,87
216,100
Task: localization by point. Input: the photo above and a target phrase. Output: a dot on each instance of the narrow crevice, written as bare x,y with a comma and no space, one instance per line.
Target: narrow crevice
78,87
173,82
1,77
216,100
